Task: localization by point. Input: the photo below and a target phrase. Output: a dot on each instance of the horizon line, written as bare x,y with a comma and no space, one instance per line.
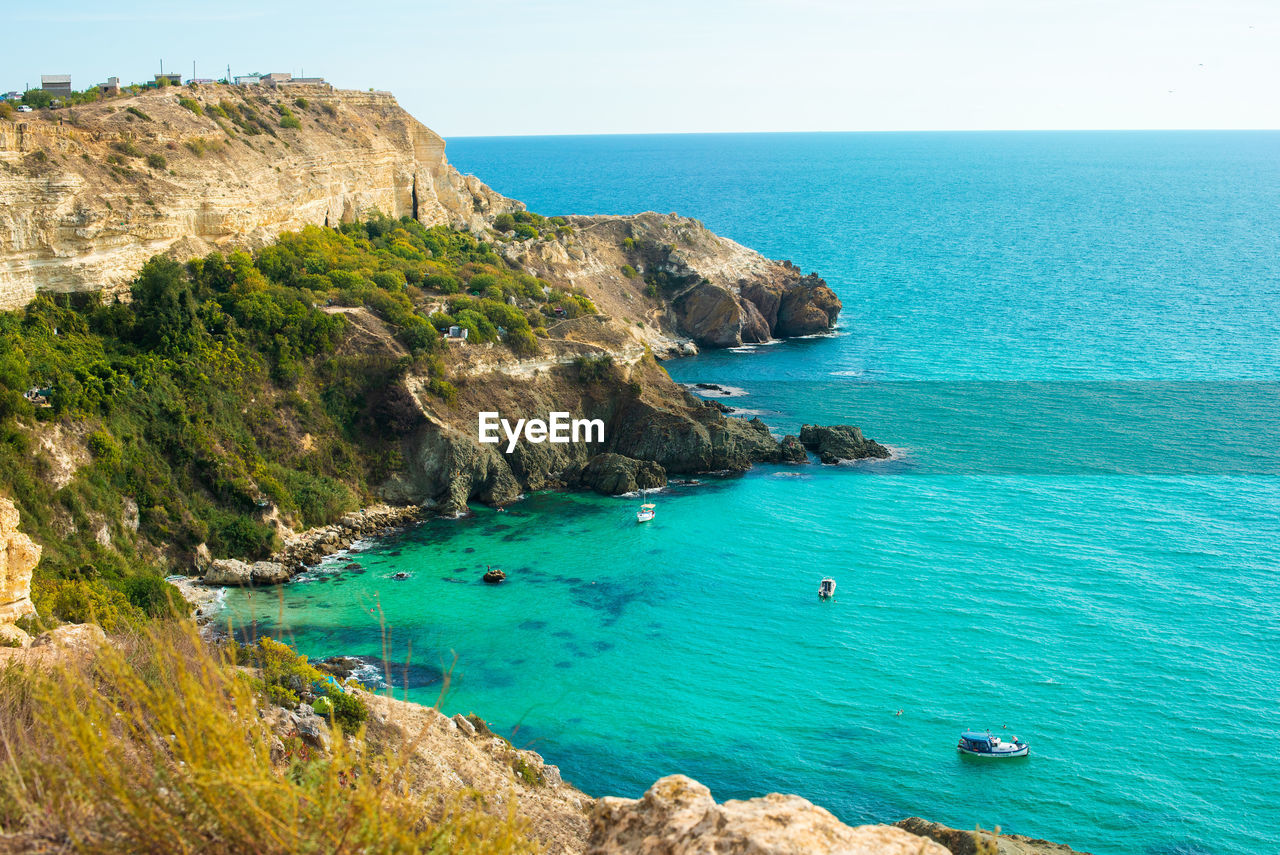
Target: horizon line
871,131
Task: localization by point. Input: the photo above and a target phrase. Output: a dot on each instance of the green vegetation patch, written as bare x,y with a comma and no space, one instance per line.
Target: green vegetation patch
221,394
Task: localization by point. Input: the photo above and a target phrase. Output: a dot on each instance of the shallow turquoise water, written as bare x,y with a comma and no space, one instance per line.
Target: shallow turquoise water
1070,342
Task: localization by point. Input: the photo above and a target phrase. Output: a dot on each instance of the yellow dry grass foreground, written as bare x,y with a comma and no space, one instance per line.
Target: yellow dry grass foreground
156,744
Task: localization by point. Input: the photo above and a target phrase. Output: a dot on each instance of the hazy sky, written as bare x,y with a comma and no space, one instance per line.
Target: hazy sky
594,66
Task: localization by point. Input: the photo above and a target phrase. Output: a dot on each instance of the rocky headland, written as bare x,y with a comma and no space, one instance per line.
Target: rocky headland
88,194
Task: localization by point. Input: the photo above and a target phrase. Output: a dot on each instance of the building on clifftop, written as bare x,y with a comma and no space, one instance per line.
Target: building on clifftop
56,84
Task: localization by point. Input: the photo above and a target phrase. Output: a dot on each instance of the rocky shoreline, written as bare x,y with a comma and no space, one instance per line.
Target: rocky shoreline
305,549
606,473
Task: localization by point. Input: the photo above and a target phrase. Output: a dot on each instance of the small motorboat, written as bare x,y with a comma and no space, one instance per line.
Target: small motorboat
647,511
400,575
827,588
985,745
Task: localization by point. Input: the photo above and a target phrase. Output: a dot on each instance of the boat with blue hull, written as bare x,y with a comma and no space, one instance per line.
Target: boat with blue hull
978,744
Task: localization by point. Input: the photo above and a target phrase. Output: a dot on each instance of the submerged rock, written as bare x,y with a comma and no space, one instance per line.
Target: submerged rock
341,667
840,442
678,816
494,576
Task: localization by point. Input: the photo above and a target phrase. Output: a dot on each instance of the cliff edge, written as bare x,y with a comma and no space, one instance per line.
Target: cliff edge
88,194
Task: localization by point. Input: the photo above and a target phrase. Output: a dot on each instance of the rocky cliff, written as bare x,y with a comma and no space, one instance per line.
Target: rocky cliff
680,282
88,194
18,558
589,367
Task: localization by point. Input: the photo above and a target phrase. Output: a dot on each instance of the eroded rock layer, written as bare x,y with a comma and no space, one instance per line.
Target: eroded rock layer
18,558
88,194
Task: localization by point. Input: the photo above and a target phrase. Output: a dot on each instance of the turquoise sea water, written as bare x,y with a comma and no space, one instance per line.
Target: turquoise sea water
1070,340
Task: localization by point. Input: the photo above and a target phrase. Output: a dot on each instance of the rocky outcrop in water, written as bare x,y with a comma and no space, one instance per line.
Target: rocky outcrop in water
678,816
18,558
966,842
613,475
840,442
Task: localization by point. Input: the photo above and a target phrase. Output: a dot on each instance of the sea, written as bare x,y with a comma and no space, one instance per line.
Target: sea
1070,342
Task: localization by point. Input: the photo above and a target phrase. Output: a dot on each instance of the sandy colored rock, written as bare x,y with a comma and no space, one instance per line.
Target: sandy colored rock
229,571
70,220
13,637
710,291
960,842
18,558
444,757
678,816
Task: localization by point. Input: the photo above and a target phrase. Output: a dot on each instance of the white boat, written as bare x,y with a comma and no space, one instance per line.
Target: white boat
827,588
985,745
647,510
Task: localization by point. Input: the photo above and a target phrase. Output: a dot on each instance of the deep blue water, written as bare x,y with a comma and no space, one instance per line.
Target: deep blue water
1070,340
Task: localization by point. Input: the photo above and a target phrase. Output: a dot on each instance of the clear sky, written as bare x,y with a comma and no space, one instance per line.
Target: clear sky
596,66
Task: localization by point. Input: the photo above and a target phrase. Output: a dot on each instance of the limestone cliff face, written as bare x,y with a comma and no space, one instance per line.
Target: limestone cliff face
679,279
85,199
18,557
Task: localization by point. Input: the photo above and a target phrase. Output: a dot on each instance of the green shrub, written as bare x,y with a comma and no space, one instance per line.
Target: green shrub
87,601
593,368
192,104
289,120
524,230
628,271
504,222
157,161
526,772
444,390
134,111
346,710
153,595
36,98
104,447
301,103
127,147
239,536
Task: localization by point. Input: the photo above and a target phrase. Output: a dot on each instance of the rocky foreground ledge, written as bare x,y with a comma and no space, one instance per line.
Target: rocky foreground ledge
678,816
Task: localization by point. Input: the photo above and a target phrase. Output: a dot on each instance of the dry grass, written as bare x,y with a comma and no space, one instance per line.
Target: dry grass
157,745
